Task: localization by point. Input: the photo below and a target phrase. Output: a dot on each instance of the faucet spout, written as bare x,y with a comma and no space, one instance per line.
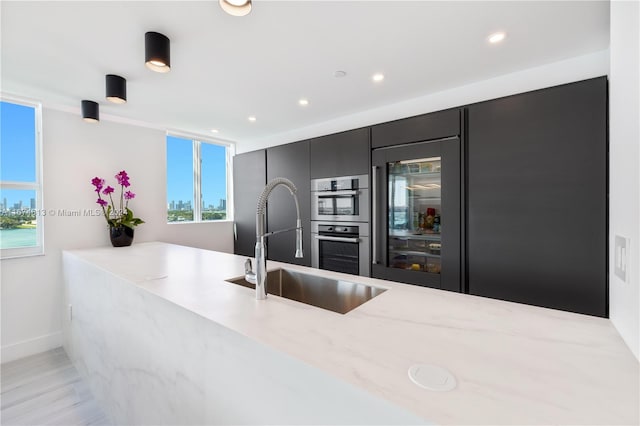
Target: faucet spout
260,250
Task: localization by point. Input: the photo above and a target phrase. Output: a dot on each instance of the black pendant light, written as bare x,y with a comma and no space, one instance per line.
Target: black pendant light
90,111
156,52
116,89
236,7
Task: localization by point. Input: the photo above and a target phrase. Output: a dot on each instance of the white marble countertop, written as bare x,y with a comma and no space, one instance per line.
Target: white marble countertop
514,364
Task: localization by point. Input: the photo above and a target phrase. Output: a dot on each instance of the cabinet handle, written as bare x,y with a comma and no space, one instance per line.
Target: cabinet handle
374,214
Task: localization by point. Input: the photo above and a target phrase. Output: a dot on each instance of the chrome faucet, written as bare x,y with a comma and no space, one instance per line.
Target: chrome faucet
259,276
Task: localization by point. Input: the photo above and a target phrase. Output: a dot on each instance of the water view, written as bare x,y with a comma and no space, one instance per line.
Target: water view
12,238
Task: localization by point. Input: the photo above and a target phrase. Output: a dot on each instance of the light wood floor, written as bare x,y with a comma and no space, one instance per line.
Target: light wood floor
46,389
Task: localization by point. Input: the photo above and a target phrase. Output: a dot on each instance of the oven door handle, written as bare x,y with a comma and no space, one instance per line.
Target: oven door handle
329,194
341,239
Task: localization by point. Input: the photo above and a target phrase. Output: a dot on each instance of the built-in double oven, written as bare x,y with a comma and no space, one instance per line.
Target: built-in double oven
340,199
340,224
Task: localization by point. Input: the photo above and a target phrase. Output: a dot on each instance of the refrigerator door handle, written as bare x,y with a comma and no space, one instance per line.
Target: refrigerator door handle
374,214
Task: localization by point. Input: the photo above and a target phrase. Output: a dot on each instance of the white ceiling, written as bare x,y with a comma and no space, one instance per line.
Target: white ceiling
226,68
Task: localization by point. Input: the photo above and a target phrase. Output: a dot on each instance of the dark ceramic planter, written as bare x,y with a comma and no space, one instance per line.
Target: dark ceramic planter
121,236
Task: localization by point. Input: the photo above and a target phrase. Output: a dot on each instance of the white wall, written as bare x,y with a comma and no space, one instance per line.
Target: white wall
624,138
569,70
73,153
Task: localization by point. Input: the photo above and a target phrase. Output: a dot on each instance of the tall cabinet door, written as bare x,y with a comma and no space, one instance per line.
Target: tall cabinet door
249,178
537,198
417,214
289,161
340,154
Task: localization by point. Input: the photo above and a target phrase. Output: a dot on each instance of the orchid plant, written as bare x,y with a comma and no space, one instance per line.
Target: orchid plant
116,217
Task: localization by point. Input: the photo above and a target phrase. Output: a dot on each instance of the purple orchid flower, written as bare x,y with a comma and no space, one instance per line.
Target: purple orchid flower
123,179
98,183
129,195
108,190
102,202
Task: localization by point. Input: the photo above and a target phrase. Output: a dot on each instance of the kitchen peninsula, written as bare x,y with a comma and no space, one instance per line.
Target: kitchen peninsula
162,338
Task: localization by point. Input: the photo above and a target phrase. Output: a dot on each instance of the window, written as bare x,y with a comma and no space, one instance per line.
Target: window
20,179
197,180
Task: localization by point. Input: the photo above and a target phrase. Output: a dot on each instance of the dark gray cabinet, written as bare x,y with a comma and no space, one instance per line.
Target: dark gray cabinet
537,198
340,154
249,178
289,161
425,127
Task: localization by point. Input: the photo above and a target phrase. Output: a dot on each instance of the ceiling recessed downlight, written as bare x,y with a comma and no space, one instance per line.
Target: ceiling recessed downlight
214,130
497,37
339,73
236,7
252,118
303,102
378,77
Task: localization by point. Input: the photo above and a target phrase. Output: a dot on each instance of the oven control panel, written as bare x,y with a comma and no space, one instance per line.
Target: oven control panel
345,183
338,229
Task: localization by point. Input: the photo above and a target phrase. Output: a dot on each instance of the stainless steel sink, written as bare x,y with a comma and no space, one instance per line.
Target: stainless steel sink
326,293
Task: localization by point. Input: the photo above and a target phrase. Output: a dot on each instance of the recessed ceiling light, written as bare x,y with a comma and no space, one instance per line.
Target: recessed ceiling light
252,118
303,102
214,130
339,73
378,77
497,37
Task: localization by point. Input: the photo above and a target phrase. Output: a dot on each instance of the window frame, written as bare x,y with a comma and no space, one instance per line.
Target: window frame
37,186
197,141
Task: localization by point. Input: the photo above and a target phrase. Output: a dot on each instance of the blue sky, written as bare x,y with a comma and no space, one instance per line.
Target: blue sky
17,150
180,171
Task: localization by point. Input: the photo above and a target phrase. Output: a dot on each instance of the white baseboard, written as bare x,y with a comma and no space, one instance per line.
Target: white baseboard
31,347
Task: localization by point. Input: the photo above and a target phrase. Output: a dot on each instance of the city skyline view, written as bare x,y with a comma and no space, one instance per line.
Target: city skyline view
180,176
11,197
186,205
6,205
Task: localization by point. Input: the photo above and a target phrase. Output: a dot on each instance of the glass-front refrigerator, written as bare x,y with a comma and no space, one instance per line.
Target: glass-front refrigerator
416,219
